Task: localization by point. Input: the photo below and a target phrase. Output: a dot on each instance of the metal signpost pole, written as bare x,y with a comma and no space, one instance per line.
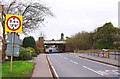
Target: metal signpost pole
12,52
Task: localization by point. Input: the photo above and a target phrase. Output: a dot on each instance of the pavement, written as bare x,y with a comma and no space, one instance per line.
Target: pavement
109,61
41,67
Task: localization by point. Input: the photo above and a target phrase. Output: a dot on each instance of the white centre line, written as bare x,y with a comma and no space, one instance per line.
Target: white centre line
73,61
65,58
93,70
70,60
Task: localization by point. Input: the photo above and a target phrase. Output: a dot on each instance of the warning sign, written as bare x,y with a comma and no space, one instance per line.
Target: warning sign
13,23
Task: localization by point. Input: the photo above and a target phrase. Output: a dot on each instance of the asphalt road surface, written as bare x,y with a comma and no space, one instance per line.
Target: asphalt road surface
71,65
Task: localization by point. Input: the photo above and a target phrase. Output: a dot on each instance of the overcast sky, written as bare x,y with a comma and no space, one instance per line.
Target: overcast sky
73,16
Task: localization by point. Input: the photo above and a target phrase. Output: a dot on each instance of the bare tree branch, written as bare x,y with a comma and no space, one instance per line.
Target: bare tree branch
33,14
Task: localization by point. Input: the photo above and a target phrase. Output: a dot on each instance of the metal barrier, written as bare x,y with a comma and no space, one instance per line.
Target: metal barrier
108,54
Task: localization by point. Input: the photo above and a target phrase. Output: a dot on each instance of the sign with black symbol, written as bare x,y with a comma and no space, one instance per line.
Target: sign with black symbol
13,23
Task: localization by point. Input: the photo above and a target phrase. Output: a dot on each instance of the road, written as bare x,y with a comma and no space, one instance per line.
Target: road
71,65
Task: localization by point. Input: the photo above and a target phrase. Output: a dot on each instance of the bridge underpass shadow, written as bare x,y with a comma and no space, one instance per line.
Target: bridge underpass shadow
56,46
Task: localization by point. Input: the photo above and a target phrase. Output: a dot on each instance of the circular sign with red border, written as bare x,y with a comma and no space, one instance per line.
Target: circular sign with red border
13,23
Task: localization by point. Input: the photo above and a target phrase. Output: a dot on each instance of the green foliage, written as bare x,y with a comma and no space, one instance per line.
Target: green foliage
81,40
29,42
105,36
102,37
25,54
20,69
34,55
39,50
47,46
118,48
31,50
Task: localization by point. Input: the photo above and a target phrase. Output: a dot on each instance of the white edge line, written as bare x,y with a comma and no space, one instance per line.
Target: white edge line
92,70
49,69
53,68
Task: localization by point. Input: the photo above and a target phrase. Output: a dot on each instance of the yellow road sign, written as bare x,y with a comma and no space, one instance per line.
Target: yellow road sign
13,23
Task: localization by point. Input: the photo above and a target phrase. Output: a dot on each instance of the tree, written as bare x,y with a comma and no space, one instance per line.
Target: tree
29,42
106,35
62,36
34,14
81,40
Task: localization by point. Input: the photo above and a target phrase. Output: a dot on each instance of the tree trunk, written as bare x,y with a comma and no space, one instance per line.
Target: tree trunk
3,41
3,48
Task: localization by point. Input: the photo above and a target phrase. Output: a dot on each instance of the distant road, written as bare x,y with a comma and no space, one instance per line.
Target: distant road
70,65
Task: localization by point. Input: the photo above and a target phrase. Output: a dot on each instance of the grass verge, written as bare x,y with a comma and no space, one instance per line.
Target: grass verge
21,70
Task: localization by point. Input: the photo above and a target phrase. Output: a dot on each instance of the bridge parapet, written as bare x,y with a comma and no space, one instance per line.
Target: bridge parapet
54,42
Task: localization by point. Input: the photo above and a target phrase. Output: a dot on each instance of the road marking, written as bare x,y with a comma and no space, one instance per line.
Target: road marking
104,72
108,72
95,61
55,72
113,71
93,70
48,66
65,57
53,69
60,55
100,63
73,61
70,60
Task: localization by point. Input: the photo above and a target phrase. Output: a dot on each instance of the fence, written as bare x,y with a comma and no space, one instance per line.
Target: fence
108,54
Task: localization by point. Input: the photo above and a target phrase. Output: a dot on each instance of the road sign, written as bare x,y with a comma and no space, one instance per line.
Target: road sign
13,23
15,50
16,44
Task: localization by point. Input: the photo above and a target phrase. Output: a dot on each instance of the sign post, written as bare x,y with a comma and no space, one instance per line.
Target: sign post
13,24
11,59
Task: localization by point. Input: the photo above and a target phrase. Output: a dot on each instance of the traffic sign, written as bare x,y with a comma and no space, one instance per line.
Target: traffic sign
16,44
13,23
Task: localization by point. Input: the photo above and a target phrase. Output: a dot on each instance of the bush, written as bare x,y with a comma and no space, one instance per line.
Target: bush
39,50
31,50
25,54
118,48
29,42
34,55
